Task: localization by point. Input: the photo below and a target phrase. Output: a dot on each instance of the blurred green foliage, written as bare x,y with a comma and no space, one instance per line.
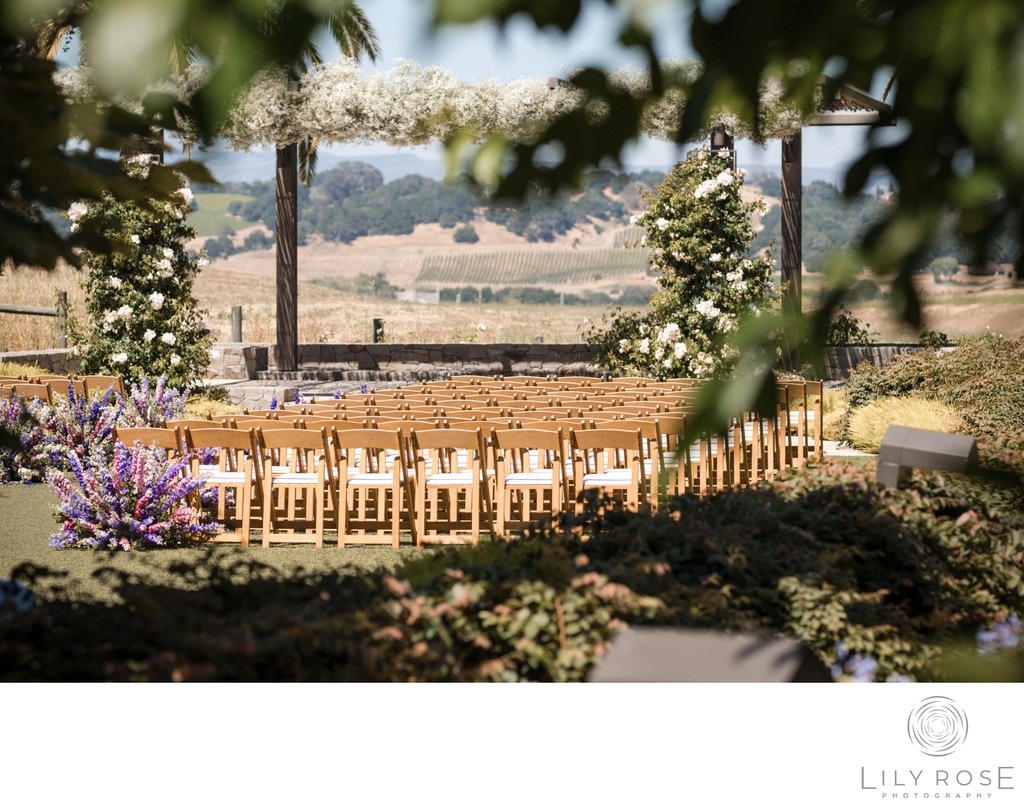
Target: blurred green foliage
957,154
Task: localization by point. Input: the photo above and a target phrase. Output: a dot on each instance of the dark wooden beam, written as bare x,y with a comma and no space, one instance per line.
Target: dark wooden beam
723,145
153,146
792,235
287,352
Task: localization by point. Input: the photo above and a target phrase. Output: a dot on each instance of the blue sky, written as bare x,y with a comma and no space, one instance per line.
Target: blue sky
481,51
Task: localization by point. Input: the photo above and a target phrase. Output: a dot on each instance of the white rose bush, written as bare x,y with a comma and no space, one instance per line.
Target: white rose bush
698,232
142,319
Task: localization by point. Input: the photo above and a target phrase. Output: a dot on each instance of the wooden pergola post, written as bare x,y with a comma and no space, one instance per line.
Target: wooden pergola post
792,239
287,234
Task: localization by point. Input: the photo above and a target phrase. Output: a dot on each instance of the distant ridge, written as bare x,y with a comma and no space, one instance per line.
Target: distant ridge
255,166
231,166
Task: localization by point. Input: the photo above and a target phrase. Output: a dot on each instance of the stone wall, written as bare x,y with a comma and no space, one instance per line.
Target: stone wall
398,361
237,360
56,360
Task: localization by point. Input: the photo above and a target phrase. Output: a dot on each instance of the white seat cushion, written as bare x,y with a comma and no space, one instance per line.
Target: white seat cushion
615,478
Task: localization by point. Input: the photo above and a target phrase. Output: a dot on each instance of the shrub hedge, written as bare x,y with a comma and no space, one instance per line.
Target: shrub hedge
824,556
983,378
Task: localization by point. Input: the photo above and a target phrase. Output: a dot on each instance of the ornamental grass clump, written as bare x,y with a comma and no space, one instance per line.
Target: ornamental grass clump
868,424
135,499
698,231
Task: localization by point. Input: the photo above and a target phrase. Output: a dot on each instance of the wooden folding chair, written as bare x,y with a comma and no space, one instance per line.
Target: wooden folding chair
29,391
297,469
224,458
530,481
655,468
62,385
255,422
451,486
97,386
170,440
611,461
373,493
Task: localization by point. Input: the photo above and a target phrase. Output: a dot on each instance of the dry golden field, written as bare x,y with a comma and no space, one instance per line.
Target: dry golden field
36,287
965,305
327,315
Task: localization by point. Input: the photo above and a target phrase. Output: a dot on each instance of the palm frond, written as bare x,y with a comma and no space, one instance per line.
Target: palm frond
308,158
875,9
180,55
52,33
354,33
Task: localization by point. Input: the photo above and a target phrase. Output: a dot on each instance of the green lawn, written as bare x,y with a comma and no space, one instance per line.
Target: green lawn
27,521
211,213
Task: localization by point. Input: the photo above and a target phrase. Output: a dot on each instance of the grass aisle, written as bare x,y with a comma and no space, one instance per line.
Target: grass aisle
27,522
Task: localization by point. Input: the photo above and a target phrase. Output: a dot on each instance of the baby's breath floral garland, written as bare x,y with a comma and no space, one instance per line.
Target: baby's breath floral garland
414,105
142,318
698,231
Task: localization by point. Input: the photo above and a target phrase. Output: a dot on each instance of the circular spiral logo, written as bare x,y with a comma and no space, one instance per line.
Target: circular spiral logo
937,726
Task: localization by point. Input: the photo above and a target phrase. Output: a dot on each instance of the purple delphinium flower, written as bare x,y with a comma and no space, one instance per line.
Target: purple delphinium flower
1004,635
853,667
273,402
74,426
136,498
149,405
19,419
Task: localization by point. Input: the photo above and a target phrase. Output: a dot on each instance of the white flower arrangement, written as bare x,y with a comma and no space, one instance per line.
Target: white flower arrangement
670,333
139,301
707,308
699,246
412,104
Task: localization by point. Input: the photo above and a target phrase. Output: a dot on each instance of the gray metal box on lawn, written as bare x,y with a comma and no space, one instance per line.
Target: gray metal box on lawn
905,447
694,655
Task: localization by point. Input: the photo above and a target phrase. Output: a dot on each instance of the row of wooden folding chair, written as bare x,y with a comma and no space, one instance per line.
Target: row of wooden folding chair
47,388
371,484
